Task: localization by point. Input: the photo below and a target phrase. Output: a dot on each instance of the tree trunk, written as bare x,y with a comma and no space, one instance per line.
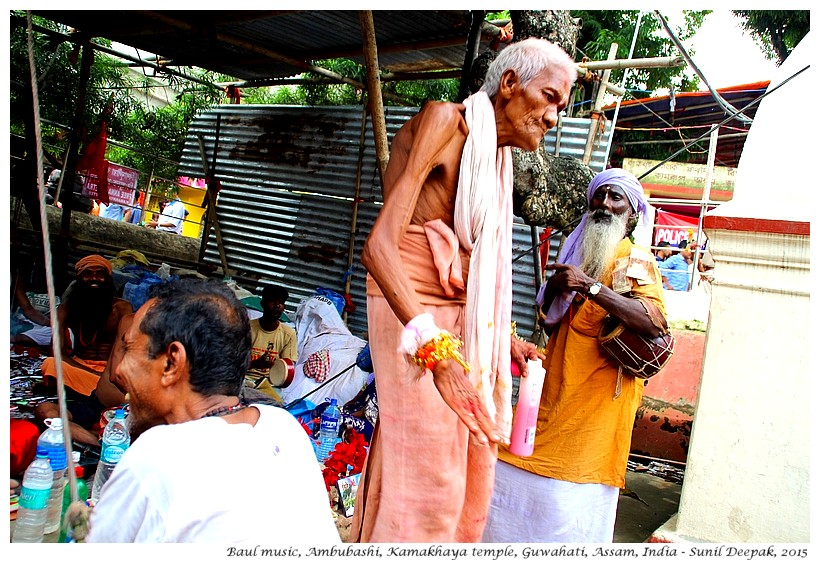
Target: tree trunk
549,191
556,26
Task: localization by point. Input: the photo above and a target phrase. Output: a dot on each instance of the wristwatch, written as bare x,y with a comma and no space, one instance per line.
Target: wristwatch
594,289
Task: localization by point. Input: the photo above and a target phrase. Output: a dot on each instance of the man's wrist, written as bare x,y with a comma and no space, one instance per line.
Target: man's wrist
593,289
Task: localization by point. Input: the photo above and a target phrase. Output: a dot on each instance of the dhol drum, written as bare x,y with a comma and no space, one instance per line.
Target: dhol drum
281,372
640,356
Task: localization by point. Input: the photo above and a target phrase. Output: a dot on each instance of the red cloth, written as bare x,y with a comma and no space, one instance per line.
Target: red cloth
93,161
23,435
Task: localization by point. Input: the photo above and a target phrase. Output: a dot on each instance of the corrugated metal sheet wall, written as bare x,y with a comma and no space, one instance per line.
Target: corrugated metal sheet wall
289,183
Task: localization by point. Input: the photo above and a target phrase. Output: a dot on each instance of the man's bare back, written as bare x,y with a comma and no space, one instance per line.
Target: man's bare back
441,128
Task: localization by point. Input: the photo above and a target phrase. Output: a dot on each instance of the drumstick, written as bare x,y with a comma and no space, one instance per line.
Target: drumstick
348,368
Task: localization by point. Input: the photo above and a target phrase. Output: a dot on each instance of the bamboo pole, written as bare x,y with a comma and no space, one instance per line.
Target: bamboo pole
212,216
351,244
598,119
374,90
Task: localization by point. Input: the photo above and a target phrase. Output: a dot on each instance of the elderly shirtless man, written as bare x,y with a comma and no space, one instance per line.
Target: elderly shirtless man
439,263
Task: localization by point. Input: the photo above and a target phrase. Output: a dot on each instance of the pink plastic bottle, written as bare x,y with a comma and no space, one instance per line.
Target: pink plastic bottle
522,439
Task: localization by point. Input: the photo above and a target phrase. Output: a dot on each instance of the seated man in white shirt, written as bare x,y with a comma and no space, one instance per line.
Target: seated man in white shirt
187,476
170,220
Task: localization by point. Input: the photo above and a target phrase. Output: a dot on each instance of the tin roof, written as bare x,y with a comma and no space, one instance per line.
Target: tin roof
257,45
694,113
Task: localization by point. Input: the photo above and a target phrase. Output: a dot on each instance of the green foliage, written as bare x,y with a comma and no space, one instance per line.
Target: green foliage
413,92
153,132
601,28
58,74
419,92
335,94
692,324
776,32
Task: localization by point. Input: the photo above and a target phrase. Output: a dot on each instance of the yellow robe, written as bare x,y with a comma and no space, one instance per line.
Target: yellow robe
584,431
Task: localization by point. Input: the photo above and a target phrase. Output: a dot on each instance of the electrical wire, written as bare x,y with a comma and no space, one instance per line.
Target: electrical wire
685,147
727,107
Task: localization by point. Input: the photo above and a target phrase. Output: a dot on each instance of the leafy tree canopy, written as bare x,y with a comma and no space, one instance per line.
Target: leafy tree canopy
776,32
601,28
154,132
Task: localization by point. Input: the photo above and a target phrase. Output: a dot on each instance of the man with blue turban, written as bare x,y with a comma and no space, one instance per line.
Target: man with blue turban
567,490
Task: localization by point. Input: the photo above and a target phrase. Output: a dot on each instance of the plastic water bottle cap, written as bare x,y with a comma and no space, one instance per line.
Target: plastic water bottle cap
333,401
119,413
56,423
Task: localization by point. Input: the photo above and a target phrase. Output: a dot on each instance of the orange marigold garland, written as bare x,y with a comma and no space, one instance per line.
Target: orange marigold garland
442,347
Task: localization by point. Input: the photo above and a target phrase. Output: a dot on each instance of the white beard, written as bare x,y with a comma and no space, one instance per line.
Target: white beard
600,240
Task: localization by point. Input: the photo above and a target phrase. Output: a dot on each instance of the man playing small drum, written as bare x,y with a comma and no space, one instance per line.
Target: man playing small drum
271,340
567,491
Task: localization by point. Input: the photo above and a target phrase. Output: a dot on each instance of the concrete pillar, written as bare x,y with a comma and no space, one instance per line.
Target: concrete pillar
748,471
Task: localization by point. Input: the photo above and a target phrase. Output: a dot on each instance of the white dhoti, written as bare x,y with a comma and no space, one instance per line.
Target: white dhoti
554,512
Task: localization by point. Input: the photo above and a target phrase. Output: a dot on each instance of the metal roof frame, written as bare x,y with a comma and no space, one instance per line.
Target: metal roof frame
264,45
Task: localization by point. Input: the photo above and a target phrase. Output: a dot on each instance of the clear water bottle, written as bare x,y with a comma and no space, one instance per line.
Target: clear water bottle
328,431
53,442
115,441
31,515
82,496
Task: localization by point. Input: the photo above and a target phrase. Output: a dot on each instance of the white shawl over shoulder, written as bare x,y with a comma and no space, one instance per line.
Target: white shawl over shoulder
483,223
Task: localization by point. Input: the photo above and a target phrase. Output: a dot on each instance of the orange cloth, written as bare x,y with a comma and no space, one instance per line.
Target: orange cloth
583,432
91,261
416,256
80,380
424,481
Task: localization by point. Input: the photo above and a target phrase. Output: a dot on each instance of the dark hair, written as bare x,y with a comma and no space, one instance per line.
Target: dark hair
664,244
683,244
275,293
211,323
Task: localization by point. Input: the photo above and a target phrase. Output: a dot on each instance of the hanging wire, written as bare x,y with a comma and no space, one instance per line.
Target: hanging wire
670,157
52,308
623,83
726,120
727,107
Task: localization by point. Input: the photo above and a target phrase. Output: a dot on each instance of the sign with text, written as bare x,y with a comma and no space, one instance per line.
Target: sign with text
673,228
682,179
122,183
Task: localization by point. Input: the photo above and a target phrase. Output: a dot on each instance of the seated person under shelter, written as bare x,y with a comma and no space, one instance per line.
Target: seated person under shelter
196,441
270,339
30,325
90,316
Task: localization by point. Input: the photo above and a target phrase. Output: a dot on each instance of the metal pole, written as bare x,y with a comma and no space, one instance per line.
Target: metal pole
623,87
707,189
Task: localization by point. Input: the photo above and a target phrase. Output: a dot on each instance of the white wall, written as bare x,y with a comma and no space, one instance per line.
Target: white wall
748,470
